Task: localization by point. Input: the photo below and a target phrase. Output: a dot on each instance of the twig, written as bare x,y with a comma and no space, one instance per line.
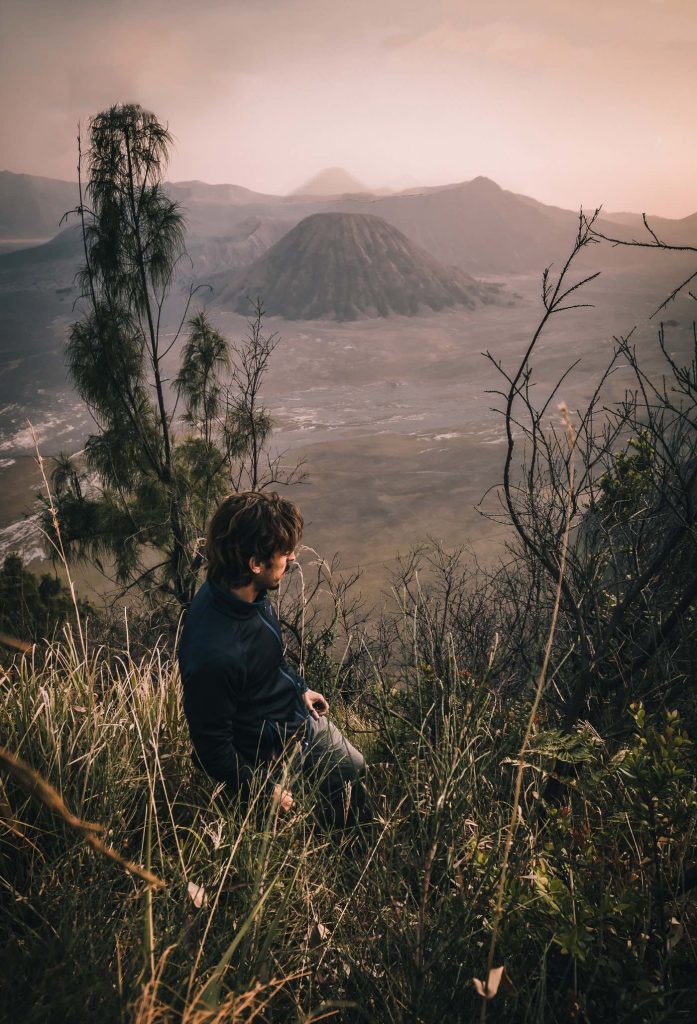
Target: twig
533,711
36,785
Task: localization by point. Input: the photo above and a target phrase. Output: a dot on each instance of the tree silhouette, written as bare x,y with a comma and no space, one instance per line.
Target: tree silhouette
138,503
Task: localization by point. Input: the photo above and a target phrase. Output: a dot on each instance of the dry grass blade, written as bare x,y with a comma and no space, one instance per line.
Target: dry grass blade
12,641
34,784
247,1006
128,865
57,544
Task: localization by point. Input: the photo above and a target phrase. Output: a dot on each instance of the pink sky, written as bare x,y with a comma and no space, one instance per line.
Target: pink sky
570,102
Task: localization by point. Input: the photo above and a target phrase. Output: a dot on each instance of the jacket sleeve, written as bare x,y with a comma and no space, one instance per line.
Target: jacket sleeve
210,706
300,683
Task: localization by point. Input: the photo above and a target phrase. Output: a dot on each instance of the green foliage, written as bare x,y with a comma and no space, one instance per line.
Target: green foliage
630,479
608,874
137,501
638,535
31,607
204,357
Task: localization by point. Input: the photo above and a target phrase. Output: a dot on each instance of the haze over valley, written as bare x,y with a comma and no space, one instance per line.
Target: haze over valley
383,305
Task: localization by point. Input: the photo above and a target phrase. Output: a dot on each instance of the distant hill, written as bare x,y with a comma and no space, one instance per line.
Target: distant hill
189,192
49,267
32,207
245,242
66,245
216,211
332,181
336,266
675,232
53,264
477,225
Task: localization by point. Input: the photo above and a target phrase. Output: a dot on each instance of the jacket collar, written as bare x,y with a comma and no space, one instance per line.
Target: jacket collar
230,604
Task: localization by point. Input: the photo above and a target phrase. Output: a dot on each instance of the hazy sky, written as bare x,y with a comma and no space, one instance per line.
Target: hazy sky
570,101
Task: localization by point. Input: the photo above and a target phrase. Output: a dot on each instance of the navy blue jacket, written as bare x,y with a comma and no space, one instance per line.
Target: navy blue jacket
241,699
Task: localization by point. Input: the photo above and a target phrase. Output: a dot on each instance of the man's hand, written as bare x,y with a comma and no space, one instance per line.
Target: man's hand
315,703
282,798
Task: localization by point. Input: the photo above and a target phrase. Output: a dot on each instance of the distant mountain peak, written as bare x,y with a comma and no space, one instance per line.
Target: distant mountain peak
484,184
332,181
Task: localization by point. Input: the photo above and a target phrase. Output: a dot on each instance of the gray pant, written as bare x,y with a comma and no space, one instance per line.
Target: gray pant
337,766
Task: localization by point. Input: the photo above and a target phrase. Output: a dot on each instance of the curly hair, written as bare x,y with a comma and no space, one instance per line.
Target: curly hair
250,524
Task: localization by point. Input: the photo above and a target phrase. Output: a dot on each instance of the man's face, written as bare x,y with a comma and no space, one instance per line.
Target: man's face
271,573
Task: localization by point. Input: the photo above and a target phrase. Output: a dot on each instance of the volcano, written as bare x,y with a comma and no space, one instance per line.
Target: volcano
341,266
332,181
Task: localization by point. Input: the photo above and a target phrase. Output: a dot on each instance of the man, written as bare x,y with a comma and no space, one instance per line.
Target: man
244,704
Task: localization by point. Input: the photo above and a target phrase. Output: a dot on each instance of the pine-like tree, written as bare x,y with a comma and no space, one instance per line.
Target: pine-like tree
138,505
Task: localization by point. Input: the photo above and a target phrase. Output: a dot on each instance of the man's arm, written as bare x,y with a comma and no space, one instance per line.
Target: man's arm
210,706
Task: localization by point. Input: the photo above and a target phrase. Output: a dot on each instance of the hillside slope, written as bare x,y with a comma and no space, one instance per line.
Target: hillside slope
32,207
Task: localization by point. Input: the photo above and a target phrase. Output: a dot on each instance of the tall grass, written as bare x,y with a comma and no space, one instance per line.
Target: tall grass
268,917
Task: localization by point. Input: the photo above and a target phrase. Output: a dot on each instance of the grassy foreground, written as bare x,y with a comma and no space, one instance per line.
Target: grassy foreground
269,918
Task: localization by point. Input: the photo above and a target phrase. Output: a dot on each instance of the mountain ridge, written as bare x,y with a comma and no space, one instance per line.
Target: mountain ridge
475,225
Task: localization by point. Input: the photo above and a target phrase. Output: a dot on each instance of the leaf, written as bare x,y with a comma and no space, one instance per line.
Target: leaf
497,979
198,895
675,934
317,934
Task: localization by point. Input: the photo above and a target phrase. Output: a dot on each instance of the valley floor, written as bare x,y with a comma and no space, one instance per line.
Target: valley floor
394,419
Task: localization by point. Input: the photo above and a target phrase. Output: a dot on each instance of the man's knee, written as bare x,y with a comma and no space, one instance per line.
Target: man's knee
348,758
358,765
333,756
